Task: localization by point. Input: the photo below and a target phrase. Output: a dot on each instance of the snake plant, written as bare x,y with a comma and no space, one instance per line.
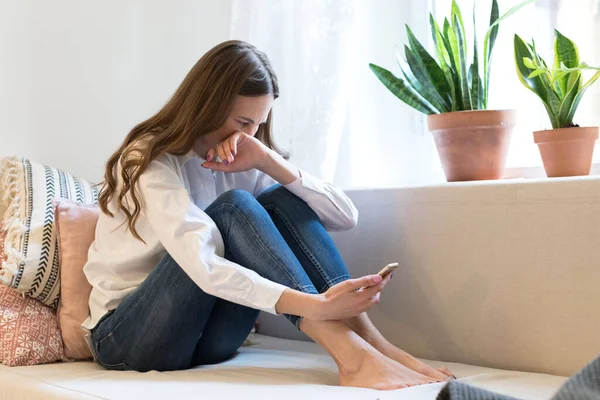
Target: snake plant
560,88
449,80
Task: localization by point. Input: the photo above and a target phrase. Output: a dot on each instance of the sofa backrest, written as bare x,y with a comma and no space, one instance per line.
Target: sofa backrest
501,274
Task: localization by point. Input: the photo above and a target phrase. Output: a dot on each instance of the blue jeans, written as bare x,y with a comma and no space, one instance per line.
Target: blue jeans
169,323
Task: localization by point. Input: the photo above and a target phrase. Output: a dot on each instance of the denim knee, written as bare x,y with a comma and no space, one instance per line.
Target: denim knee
279,196
236,198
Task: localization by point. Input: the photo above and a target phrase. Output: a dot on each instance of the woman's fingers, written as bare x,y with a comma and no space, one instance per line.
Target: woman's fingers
227,150
375,299
210,155
221,154
366,304
213,165
387,279
363,282
371,301
233,142
371,291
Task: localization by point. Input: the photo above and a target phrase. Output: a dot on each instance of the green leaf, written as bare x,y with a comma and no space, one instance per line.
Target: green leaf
490,39
450,36
508,14
451,44
476,86
401,89
536,84
425,90
427,71
444,59
566,54
529,63
488,45
438,40
592,80
462,70
559,75
579,96
537,72
457,20
567,104
546,79
565,51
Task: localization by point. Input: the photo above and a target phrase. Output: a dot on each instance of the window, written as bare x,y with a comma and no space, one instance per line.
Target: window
577,19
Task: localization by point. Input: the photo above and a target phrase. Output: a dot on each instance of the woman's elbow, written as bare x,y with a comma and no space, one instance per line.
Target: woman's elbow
352,221
346,222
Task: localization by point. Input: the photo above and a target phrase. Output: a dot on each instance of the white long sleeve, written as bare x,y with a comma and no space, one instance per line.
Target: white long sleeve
335,210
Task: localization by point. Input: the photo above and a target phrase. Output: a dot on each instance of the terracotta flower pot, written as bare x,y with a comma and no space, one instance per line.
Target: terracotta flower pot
473,145
567,151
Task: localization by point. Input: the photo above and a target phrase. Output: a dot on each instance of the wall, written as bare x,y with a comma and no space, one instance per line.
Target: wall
76,76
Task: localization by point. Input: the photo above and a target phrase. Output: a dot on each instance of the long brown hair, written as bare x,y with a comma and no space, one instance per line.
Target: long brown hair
200,105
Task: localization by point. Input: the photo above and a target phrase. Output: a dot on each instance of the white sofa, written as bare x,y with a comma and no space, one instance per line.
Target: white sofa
498,276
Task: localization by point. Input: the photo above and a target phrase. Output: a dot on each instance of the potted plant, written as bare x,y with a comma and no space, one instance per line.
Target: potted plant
566,149
472,142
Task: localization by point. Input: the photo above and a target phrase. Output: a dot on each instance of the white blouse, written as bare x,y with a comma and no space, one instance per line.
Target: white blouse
174,191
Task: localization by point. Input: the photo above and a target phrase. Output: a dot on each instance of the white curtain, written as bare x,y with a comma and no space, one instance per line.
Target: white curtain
335,118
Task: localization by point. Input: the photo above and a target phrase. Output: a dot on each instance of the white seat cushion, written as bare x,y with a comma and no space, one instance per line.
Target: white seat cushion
273,369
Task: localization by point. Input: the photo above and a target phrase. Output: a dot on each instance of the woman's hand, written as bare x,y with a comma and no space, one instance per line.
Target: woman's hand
238,152
344,300
350,298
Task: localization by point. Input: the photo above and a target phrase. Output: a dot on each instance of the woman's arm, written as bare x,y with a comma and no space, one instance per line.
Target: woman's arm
335,210
244,152
344,300
279,168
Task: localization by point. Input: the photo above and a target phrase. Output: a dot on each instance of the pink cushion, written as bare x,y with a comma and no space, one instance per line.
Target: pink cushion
3,233
29,331
76,232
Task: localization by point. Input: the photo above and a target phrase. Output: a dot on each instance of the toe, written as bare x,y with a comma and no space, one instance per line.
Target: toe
445,371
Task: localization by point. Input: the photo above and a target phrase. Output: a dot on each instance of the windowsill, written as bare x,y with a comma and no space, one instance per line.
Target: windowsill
513,176
504,192
538,172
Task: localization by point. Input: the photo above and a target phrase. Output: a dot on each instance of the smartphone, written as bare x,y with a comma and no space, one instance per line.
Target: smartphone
388,269
385,272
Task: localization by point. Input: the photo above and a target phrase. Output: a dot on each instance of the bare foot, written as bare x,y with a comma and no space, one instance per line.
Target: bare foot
377,371
447,372
365,329
411,362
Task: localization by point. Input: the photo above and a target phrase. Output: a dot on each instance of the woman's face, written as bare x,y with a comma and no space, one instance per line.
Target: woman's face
247,115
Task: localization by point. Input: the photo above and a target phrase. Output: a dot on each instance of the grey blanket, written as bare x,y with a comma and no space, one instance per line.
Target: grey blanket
584,385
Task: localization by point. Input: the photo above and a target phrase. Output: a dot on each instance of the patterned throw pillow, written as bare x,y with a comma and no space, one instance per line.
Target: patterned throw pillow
29,331
32,266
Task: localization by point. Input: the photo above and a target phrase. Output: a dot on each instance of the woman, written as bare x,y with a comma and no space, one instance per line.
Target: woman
204,223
